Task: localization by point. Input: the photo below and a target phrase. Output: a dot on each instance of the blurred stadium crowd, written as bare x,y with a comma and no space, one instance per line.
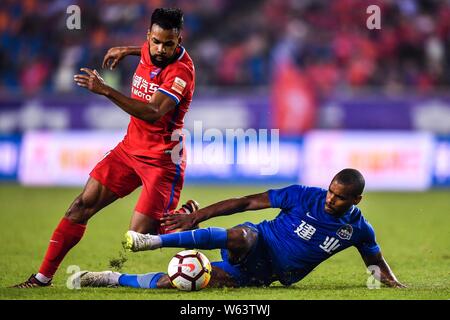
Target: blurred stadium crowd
234,43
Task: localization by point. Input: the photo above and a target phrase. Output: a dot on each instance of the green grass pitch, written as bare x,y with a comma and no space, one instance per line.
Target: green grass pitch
412,230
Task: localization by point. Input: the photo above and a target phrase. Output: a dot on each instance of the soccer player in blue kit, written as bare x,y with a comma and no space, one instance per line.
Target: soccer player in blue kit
313,225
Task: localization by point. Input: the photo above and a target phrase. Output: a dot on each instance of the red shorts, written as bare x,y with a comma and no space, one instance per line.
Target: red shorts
161,180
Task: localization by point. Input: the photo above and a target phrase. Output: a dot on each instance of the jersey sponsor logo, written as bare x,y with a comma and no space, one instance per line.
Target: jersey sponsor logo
178,85
330,244
305,231
308,214
142,88
140,94
142,85
345,232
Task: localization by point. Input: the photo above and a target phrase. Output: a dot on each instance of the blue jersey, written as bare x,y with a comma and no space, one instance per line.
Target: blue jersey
304,234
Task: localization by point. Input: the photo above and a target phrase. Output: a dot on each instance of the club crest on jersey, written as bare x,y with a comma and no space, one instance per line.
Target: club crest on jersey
154,73
345,232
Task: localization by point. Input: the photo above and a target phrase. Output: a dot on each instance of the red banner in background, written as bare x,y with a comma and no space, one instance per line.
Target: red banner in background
293,104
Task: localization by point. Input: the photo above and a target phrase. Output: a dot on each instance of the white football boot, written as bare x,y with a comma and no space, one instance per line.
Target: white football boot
94,279
135,241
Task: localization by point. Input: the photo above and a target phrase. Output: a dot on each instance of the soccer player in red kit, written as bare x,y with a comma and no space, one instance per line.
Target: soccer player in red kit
161,93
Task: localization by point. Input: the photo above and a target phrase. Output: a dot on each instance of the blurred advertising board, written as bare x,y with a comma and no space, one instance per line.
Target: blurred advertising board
389,160
9,156
245,162
441,170
66,158
63,158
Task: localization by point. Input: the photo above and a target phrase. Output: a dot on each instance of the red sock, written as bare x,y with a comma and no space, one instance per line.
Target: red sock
66,235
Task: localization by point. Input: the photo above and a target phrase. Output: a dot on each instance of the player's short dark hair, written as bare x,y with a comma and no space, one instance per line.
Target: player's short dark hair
351,177
168,18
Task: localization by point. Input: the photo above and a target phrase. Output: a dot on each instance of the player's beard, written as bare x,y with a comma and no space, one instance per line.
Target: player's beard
161,63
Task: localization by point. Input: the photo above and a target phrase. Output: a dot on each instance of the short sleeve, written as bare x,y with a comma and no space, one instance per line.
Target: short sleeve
368,245
286,198
177,82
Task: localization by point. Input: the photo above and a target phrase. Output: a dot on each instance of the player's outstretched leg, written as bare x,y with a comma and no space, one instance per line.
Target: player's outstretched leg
208,238
237,240
150,280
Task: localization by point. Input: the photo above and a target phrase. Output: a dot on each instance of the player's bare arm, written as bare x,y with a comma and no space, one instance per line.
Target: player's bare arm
222,208
158,106
115,54
387,277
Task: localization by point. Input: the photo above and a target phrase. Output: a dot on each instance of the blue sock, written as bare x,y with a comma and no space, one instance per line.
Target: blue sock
146,281
208,238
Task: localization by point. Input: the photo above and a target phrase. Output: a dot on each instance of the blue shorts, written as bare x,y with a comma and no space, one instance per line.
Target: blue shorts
256,269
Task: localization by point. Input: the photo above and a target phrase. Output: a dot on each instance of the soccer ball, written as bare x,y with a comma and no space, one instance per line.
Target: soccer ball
189,270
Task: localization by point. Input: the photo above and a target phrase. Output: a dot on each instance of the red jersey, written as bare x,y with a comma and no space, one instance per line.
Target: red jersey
176,80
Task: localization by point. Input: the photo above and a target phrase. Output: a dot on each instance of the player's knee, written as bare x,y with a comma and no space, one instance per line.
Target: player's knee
250,237
241,238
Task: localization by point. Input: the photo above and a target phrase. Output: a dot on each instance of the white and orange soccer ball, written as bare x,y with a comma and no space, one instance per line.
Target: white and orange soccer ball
189,270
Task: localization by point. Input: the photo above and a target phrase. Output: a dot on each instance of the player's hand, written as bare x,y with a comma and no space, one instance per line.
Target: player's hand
113,56
91,80
178,221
